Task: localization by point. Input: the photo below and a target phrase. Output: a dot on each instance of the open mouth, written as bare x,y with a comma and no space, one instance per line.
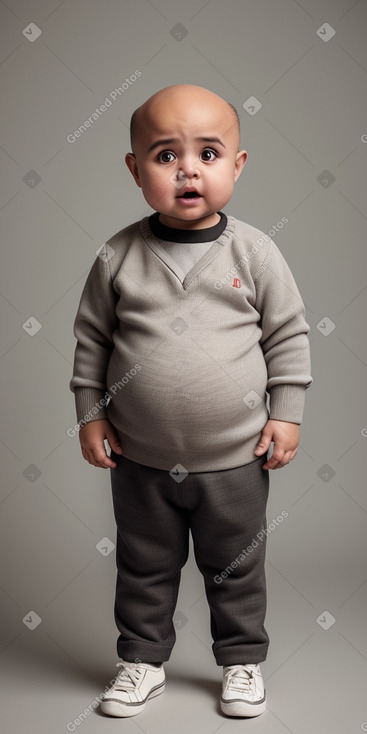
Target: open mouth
190,195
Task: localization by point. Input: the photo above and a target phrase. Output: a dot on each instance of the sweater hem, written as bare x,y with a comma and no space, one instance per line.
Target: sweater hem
167,461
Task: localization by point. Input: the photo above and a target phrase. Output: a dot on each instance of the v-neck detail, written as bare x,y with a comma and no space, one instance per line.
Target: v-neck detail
154,232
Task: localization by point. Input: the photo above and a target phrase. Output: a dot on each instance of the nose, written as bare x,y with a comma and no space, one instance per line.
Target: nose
188,168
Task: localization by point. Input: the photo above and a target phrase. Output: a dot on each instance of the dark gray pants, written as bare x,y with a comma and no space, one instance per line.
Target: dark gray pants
226,511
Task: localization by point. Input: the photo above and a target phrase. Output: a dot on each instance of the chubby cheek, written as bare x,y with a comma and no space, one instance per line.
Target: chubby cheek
222,180
159,185
223,186
150,190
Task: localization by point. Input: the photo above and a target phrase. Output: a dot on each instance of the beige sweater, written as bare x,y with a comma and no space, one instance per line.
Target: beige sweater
188,367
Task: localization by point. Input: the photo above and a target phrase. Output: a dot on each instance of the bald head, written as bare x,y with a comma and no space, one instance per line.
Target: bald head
180,100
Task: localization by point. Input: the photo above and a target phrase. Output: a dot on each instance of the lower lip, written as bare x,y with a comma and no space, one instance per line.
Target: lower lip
192,200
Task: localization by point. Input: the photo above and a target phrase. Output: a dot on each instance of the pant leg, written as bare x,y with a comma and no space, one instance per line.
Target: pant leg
225,524
152,548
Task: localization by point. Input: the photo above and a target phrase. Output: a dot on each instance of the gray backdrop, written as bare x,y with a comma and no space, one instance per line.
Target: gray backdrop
61,198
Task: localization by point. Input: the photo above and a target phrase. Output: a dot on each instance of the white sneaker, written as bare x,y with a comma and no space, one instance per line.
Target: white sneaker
135,683
243,692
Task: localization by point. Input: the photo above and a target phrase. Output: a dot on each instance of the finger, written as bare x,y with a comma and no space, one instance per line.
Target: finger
114,442
85,454
271,464
287,458
89,456
276,459
102,460
263,444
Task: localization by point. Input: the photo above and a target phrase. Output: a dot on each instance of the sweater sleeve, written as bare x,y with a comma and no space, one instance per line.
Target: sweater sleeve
284,339
94,325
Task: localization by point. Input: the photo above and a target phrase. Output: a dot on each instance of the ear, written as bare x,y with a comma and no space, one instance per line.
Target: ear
241,159
131,163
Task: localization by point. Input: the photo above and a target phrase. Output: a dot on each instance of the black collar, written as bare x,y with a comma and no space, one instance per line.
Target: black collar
162,232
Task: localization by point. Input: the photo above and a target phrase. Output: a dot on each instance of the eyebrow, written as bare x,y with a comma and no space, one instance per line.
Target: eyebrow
167,141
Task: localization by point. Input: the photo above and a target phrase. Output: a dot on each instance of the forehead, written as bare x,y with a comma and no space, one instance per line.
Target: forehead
186,119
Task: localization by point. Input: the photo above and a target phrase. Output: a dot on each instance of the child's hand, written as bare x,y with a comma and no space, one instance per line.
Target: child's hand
92,436
286,439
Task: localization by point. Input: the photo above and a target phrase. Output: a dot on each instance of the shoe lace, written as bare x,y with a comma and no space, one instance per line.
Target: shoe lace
240,677
128,677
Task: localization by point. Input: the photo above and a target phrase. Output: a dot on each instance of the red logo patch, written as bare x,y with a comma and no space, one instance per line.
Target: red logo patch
236,283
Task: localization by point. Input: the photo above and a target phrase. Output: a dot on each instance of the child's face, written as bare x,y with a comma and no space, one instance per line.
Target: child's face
171,155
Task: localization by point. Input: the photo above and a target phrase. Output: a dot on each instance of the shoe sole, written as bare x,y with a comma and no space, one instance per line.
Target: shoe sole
113,707
242,708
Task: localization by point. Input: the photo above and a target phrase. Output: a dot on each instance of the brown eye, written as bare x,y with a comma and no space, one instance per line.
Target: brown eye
210,152
165,153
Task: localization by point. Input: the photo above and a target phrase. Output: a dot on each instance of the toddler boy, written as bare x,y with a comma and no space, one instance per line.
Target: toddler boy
189,319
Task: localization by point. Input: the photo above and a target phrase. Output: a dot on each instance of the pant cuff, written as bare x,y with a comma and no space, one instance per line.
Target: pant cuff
241,654
143,652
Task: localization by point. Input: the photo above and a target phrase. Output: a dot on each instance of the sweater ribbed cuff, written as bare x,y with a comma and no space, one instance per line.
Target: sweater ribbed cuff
90,404
287,403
